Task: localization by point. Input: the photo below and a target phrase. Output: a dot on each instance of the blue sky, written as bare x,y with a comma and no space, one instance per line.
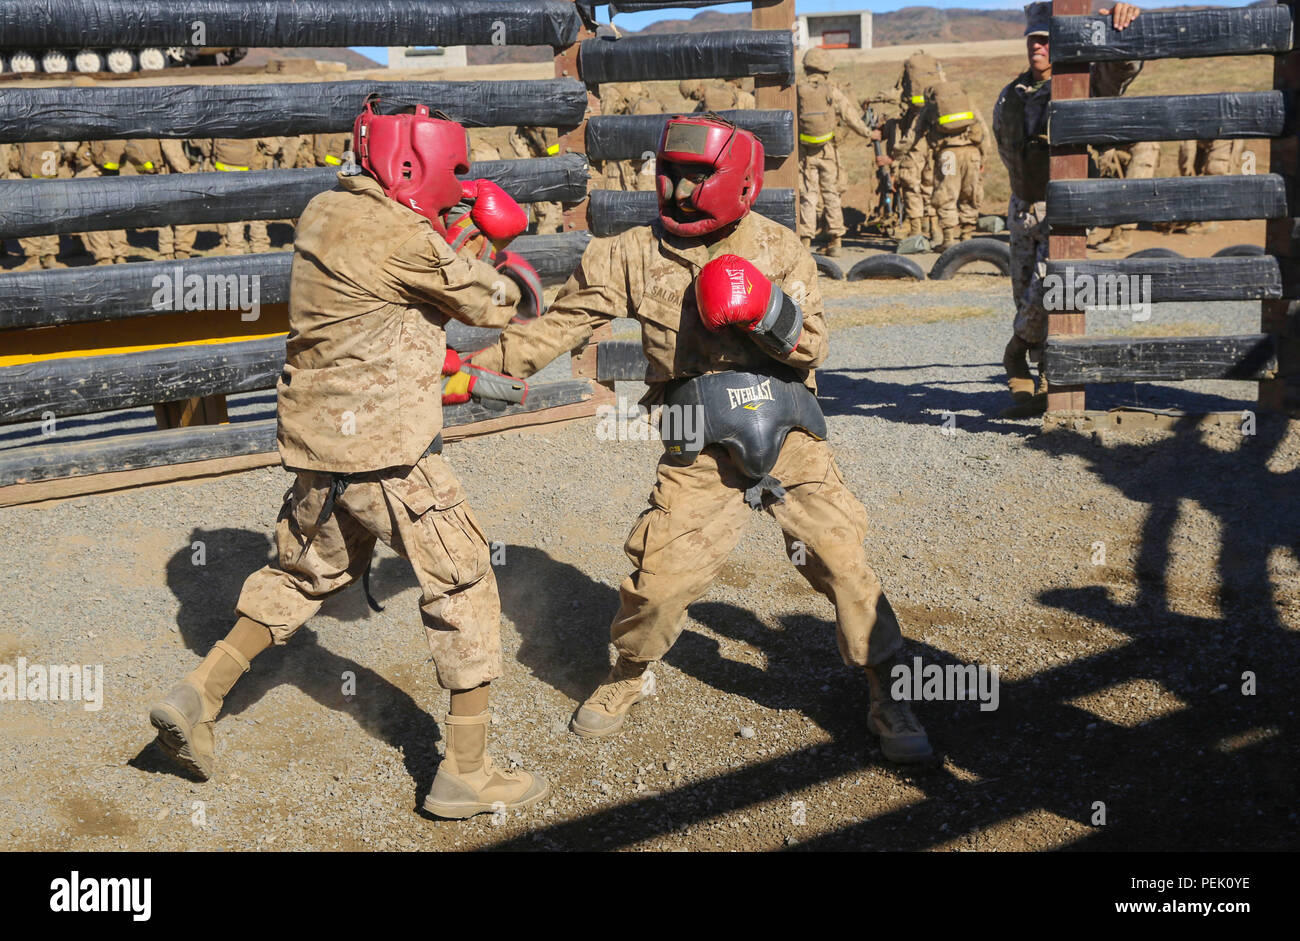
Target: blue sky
640,20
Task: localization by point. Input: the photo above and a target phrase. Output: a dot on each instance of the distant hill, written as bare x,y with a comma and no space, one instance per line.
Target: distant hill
354,60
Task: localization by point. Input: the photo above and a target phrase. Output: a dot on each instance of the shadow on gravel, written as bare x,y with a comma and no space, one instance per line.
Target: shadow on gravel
851,391
1215,773
207,596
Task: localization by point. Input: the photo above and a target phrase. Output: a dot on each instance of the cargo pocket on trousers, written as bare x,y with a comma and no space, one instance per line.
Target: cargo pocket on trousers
660,545
462,541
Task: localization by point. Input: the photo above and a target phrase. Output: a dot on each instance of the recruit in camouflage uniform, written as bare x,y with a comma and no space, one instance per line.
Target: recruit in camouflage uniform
40,160
534,142
959,159
1020,127
698,510
359,419
151,156
235,155
98,159
820,169
907,147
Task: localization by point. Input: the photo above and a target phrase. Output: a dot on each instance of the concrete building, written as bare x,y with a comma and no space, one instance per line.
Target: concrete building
839,30
426,57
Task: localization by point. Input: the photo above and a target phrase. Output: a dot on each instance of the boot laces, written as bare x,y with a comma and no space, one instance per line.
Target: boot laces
899,717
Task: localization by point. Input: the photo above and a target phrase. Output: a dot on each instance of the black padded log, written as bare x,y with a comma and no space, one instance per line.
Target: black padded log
1165,199
1073,361
620,360
1171,279
1252,30
51,207
659,57
38,462
611,212
629,136
124,380
294,23
115,292
109,110
1167,117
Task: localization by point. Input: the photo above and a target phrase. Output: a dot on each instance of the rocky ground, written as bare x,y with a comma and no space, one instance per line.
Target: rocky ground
1131,591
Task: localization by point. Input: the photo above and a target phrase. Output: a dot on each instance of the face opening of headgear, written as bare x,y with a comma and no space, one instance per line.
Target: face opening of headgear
413,154
709,173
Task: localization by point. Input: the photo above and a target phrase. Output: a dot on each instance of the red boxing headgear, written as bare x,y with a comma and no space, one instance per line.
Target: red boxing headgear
414,157
734,161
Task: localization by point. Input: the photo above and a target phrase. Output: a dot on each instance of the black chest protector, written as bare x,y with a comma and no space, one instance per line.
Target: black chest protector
748,413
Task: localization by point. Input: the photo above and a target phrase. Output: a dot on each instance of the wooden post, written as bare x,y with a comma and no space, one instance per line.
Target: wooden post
206,410
574,141
1064,244
1276,316
773,93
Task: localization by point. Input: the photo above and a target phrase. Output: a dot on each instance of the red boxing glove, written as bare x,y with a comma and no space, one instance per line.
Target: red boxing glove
452,362
493,210
729,291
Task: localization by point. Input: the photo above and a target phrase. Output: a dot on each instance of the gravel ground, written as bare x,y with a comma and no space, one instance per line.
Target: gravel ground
1123,587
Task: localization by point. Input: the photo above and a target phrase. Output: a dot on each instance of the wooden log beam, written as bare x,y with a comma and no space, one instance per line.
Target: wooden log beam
628,136
61,296
1278,317
286,23
778,93
1083,202
208,442
1168,117
108,111
1184,34
1077,360
673,56
1161,280
54,207
613,212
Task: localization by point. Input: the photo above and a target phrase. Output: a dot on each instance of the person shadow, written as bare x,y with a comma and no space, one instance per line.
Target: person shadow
207,594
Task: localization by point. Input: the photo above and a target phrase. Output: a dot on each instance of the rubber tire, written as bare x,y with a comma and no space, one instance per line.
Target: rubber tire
828,268
1156,253
886,266
1237,251
953,259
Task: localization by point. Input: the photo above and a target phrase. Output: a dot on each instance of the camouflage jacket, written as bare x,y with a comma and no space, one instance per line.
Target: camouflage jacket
648,275
1023,146
371,288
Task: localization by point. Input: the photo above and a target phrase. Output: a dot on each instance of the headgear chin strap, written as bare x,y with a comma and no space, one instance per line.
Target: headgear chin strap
733,159
415,157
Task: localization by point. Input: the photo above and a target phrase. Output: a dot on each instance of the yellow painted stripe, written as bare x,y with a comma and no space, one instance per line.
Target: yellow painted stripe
228,166
816,138
957,116
22,358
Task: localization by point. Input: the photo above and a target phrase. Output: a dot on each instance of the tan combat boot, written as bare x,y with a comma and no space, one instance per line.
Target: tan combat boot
967,232
951,237
468,783
628,684
902,737
834,248
1119,240
1020,380
184,717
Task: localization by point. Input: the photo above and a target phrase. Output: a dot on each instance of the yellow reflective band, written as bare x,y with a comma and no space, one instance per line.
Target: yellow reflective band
553,150
227,166
148,164
335,161
816,138
112,166
958,116
918,99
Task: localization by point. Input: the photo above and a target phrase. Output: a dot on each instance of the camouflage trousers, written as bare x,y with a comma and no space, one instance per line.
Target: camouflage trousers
419,511
916,183
103,246
819,169
1027,223
697,515
958,186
